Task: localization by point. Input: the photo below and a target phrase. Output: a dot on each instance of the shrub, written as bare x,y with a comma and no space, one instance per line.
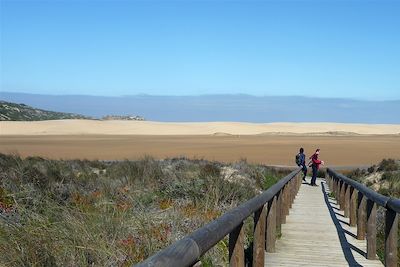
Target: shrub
388,165
371,169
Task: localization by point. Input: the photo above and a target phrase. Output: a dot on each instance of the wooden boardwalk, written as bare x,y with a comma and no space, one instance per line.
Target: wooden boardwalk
317,234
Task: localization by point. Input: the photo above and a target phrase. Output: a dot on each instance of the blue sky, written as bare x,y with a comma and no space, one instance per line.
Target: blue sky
310,48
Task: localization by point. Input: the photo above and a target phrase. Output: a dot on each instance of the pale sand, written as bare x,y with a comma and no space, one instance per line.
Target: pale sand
89,127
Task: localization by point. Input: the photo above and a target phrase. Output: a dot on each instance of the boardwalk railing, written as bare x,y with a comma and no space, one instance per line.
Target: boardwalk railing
270,210
359,204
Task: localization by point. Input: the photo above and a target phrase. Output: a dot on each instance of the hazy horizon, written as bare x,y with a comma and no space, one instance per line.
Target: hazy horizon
201,95
222,107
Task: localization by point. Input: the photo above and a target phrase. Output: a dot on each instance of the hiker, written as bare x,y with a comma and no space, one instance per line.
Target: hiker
315,162
301,162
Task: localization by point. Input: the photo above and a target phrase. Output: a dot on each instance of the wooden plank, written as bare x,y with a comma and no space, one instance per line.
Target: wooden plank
391,228
259,237
310,238
371,230
236,247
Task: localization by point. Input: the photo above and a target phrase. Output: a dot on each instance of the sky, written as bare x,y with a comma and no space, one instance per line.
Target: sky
319,48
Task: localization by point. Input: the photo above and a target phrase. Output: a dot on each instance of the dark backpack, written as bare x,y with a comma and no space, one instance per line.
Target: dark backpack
298,159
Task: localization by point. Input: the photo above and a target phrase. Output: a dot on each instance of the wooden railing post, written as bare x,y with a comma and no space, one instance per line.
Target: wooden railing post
361,216
300,181
333,188
236,247
287,199
259,237
353,206
337,193
271,226
371,230
278,211
391,228
290,193
330,182
347,201
293,191
283,206
342,195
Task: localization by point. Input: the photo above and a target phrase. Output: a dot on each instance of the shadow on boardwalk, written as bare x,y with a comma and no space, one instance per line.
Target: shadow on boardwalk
346,246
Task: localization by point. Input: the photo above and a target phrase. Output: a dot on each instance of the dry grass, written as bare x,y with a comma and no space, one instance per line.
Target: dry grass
92,213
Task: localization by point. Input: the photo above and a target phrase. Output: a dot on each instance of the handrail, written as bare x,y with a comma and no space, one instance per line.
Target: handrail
188,250
381,200
359,204
393,204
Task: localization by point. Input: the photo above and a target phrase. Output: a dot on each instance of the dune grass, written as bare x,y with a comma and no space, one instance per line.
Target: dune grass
92,213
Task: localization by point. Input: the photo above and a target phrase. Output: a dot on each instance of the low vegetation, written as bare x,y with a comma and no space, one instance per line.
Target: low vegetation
92,213
385,179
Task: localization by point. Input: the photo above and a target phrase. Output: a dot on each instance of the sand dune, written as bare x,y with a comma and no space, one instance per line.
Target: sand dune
269,143
88,127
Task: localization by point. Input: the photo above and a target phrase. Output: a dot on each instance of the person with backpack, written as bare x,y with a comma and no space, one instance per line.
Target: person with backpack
315,162
301,162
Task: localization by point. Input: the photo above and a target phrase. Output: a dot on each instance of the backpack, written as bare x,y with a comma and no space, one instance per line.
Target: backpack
298,159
